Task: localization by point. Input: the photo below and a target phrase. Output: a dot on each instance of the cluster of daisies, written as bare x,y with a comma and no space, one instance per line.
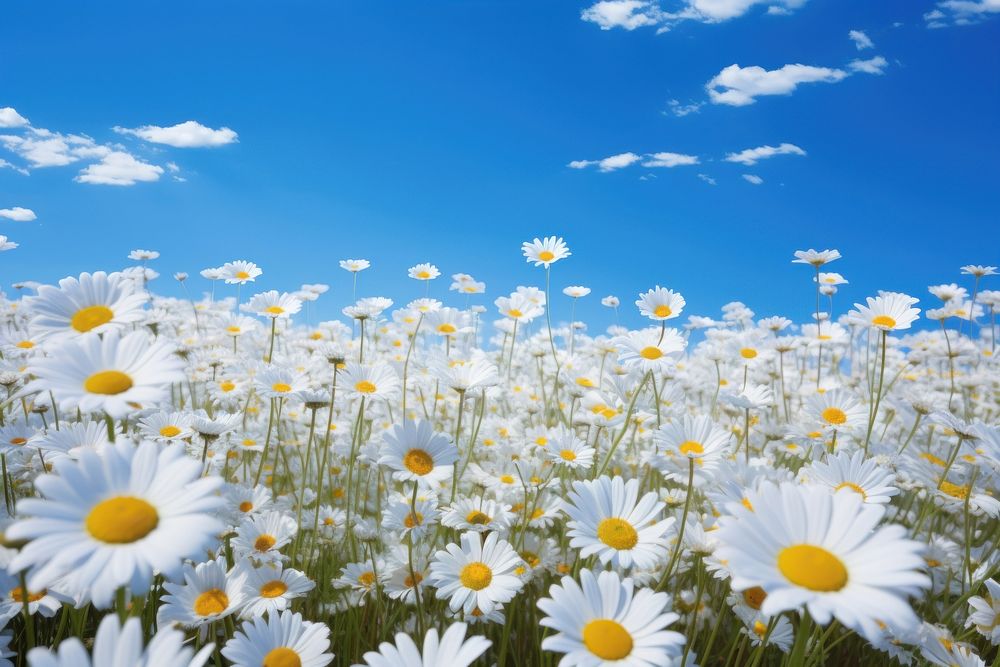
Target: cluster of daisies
219,480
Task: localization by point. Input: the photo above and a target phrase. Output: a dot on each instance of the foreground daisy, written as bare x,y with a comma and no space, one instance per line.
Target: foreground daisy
603,620
608,519
116,518
280,640
96,302
416,453
452,650
544,252
477,574
806,547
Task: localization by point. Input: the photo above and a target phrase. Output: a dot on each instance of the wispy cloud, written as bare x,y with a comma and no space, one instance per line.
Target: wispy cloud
961,12
861,40
874,65
753,179
751,156
633,14
708,179
622,160
189,134
680,110
18,214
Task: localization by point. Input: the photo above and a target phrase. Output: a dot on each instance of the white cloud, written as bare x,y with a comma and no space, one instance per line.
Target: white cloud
119,168
189,134
753,178
708,179
172,167
10,165
44,148
632,14
874,65
18,214
623,160
11,118
739,86
861,40
609,163
681,110
669,160
961,12
750,156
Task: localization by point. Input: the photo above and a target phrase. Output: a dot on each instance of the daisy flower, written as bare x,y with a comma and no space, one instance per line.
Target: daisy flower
608,519
984,612
274,305
659,304
411,520
209,593
96,302
166,426
545,252
452,650
107,374
651,349
282,639
853,471
890,311
13,599
354,265
479,573
271,588
142,508
816,258
603,620
576,291
416,453
117,644
263,535
240,272
565,449
696,438
478,515
836,409
423,272
806,547
377,380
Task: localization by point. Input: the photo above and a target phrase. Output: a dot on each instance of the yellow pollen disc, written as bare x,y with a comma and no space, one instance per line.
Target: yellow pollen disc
754,597
282,657
546,256
242,275
617,534
748,353
418,462
663,310
853,487
281,387
274,310
531,558
537,514
651,353
211,602
447,328
169,431
746,503
25,344
121,520
476,576
227,386
264,542
932,562
567,455
410,582
246,506
812,567
108,383
609,413
18,441
541,441
759,628
17,594
954,490
273,589
507,479
933,459
366,579
424,275
884,321
413,519
514,312
834,416
478,518
607,639
365,387
91,317
233,329
691,447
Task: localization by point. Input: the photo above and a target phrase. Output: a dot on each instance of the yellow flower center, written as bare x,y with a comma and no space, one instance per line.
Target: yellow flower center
25,344
812,567
567,455
211,602
18,595
689,447
834,416
617,534
282,657
748,353
227,386
413,519
274,310
759,628
366,579
546,256
264,542
507,479
169,431
651,353
242,275
515,313
108,383
607,639
446,328
663,310
853,487
410,582
754,597
531,558
476,576
884,321
418,462
954,490
281,387
365,387
18,441
273,589
91,317
121,520
246,506
478,518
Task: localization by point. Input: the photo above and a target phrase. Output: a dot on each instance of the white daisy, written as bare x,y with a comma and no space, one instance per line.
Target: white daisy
452,650
96,302
281,640
479,573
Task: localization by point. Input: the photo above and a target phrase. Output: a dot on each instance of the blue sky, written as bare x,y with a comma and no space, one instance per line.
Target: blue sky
445,132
